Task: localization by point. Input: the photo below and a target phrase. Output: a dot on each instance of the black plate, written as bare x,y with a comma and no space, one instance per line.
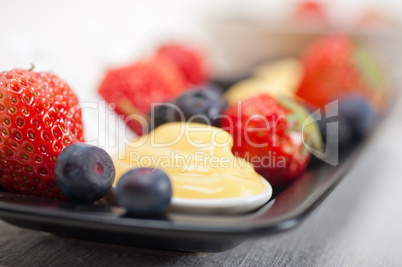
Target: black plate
178,231
182,232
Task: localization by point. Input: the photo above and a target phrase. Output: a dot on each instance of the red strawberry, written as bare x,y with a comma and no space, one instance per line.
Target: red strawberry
311,13
190,62
134,88
336,65
268,133
372,18
39,116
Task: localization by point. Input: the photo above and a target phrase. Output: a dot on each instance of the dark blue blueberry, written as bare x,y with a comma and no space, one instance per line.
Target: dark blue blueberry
225,84
344,130
214,87
359,114
219,90
158,115
355,119
208,107
198,105
144,191
84,173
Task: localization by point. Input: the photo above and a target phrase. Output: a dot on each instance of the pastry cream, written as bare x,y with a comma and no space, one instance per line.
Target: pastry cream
197,158
278,78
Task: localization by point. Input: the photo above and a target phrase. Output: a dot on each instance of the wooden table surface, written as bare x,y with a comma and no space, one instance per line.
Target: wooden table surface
358,225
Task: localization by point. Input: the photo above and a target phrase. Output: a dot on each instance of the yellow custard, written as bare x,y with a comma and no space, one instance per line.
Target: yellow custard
197,158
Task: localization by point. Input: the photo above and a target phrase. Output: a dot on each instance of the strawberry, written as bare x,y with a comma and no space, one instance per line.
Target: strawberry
372,18
268,133
39,116
310,13
134,88
336,65
190,62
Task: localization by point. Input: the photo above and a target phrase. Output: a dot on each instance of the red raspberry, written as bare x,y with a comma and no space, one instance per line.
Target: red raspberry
190,62
134,88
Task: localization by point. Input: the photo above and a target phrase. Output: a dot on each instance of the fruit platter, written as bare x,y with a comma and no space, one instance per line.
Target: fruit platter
212,161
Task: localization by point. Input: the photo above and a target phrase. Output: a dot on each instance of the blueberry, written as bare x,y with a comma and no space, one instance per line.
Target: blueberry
158,115
355,119
198,105
359,114
84,173
214,87
144,191
344,130
225,84
206,103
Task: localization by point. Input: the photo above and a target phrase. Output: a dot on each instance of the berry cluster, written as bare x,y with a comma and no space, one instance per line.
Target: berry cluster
41,133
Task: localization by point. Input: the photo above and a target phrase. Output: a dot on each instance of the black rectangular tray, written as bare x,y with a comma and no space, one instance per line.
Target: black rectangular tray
183,232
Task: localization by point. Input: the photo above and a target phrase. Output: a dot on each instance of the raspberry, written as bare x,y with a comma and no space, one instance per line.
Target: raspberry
134,88
190,62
